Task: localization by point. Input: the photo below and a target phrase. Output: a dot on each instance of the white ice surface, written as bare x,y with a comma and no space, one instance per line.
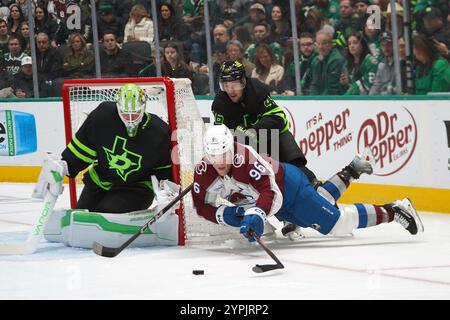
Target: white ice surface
383,262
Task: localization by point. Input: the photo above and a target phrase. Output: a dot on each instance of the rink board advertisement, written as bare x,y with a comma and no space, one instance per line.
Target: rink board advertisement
28,128
409,138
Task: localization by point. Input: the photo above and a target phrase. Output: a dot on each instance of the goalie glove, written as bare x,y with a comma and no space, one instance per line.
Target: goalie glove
165,191
51,177
254,220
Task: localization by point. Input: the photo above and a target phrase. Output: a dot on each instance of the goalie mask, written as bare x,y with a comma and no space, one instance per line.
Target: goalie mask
218,144
131,103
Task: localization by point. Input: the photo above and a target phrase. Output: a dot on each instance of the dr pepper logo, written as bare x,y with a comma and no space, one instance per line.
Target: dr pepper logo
392,137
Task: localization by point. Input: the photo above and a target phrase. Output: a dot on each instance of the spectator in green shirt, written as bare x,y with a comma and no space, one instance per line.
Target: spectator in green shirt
432,71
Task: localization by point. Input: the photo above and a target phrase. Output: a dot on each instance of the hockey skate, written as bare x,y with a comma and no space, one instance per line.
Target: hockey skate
406,215
292,231
362,163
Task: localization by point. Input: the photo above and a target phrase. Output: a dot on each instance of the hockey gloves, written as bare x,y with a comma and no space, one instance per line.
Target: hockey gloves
51,177
231,216
253,222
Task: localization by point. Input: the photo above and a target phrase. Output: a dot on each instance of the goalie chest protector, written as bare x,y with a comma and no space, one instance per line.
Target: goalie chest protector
118,158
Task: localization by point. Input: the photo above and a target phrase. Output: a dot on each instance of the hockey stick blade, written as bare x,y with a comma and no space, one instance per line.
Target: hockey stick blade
260,268
109,252
266,267
104,251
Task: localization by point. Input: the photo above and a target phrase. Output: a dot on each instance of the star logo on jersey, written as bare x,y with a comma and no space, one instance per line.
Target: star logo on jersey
122,160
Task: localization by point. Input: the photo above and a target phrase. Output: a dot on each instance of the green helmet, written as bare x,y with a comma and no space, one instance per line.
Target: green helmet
131,103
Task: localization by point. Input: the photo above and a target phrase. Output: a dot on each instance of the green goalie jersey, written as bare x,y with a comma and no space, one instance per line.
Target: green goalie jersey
114,157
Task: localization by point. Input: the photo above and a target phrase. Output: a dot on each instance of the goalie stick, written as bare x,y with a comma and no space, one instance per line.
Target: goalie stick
112,252
260,268
30,245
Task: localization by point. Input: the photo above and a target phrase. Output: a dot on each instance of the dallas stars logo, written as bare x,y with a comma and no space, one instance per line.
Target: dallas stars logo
122,160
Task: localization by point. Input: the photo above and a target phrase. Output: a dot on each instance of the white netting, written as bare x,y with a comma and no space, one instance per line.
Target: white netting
84,98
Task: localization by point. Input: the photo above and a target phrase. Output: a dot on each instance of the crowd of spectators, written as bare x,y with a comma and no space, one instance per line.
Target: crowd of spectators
339,52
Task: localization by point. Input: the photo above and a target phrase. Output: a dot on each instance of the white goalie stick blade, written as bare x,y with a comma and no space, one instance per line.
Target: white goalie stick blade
30,245
15,248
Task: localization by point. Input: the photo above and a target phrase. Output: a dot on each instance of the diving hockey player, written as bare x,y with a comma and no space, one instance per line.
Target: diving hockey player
234,171
246,106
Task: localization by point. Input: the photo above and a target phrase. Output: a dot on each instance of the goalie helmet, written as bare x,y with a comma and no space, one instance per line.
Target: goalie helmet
131,104
218,144
232,71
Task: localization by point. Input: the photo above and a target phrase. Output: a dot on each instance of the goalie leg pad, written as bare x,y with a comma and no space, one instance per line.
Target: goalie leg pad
81,229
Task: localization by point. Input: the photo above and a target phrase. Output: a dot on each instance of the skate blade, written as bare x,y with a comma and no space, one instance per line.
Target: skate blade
367,155
410,207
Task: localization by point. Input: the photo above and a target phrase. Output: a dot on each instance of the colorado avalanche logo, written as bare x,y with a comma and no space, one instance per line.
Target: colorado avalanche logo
200,168
238,160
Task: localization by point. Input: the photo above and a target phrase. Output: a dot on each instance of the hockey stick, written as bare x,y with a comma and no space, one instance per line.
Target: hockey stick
260,268
112,252
30,245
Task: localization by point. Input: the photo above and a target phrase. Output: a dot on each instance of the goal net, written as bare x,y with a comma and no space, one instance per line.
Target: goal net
173,101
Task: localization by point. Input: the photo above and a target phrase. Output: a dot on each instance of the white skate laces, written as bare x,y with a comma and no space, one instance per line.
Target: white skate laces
406,215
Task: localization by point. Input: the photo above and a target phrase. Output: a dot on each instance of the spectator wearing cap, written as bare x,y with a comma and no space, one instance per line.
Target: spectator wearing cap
13,59
107,21
44,23
399,18
432,71
267,69
113,59
23,81
139,26
360,7
261,34
257,14
236,52
384,82
171,27
438,29
327,66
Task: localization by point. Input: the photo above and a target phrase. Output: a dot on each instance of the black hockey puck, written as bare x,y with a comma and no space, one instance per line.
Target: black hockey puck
198,272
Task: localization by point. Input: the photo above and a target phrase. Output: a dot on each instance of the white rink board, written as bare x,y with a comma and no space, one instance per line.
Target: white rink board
410,134
414,129
49,119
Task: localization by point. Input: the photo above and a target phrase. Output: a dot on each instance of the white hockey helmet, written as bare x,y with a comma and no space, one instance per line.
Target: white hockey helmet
131,104
218,141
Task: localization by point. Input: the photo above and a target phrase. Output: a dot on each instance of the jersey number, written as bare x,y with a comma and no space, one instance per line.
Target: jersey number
256,173
196,187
